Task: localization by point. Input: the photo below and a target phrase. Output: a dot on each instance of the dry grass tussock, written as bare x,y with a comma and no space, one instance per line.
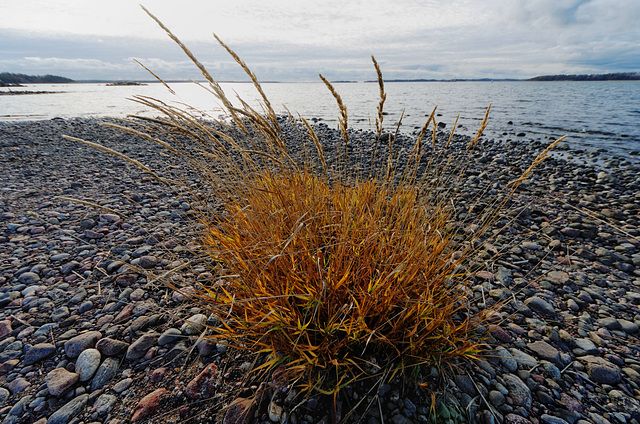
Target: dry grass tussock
335,266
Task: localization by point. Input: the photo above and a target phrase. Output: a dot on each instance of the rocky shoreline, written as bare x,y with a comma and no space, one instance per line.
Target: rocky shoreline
88,336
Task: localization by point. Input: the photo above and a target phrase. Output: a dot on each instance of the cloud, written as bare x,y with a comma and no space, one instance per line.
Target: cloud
293,40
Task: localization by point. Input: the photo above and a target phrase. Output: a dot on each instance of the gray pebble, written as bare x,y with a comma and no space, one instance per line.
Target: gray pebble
38,352
169,336
83,341
87,364
540,306
29,278
104,404
106,371
69,410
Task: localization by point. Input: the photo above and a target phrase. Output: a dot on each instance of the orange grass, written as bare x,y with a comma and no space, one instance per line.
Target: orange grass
330,276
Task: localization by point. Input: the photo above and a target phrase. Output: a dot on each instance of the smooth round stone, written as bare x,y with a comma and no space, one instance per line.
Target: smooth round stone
169,336
29,278
104,404
122,385
86,306
39,352
194,325
4,395
88,363
59,380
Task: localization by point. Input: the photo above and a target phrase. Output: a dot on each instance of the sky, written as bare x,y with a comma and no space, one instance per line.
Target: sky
294,40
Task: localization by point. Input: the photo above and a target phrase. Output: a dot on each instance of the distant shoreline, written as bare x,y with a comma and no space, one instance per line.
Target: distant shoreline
25,92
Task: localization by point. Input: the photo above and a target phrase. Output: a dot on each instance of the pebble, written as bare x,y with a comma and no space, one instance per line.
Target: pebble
105,372
83,341
148,405
518,390
60,380
203,385
122,385
69,410
601,370
139,347
38,352
545,351
4,395
111,347
540,306
194,325
18,385
47,312
104,404
169,336
87,364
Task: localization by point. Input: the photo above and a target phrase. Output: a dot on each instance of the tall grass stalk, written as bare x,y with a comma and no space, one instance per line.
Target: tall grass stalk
337,267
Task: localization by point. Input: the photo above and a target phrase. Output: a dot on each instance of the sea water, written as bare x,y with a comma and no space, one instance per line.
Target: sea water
596,115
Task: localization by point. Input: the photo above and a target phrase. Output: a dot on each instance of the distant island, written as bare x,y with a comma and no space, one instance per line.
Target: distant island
622,76
125,83
8,79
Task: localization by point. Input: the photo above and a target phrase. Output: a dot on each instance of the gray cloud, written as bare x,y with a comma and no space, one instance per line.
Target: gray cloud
416,39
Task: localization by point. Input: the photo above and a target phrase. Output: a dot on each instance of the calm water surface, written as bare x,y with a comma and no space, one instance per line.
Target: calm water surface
596,115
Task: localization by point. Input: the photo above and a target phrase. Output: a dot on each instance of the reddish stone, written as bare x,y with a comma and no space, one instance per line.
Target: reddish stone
124,314
5,329
126,280
241,411
485,275
515,419
7,366
501,335
148,405
571,403
158,374
203,385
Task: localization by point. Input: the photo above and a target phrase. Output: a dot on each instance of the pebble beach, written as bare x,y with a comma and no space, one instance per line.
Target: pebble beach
88,335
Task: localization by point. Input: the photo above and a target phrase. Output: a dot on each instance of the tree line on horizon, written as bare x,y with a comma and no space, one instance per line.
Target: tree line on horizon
620,76
8,79
13,79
